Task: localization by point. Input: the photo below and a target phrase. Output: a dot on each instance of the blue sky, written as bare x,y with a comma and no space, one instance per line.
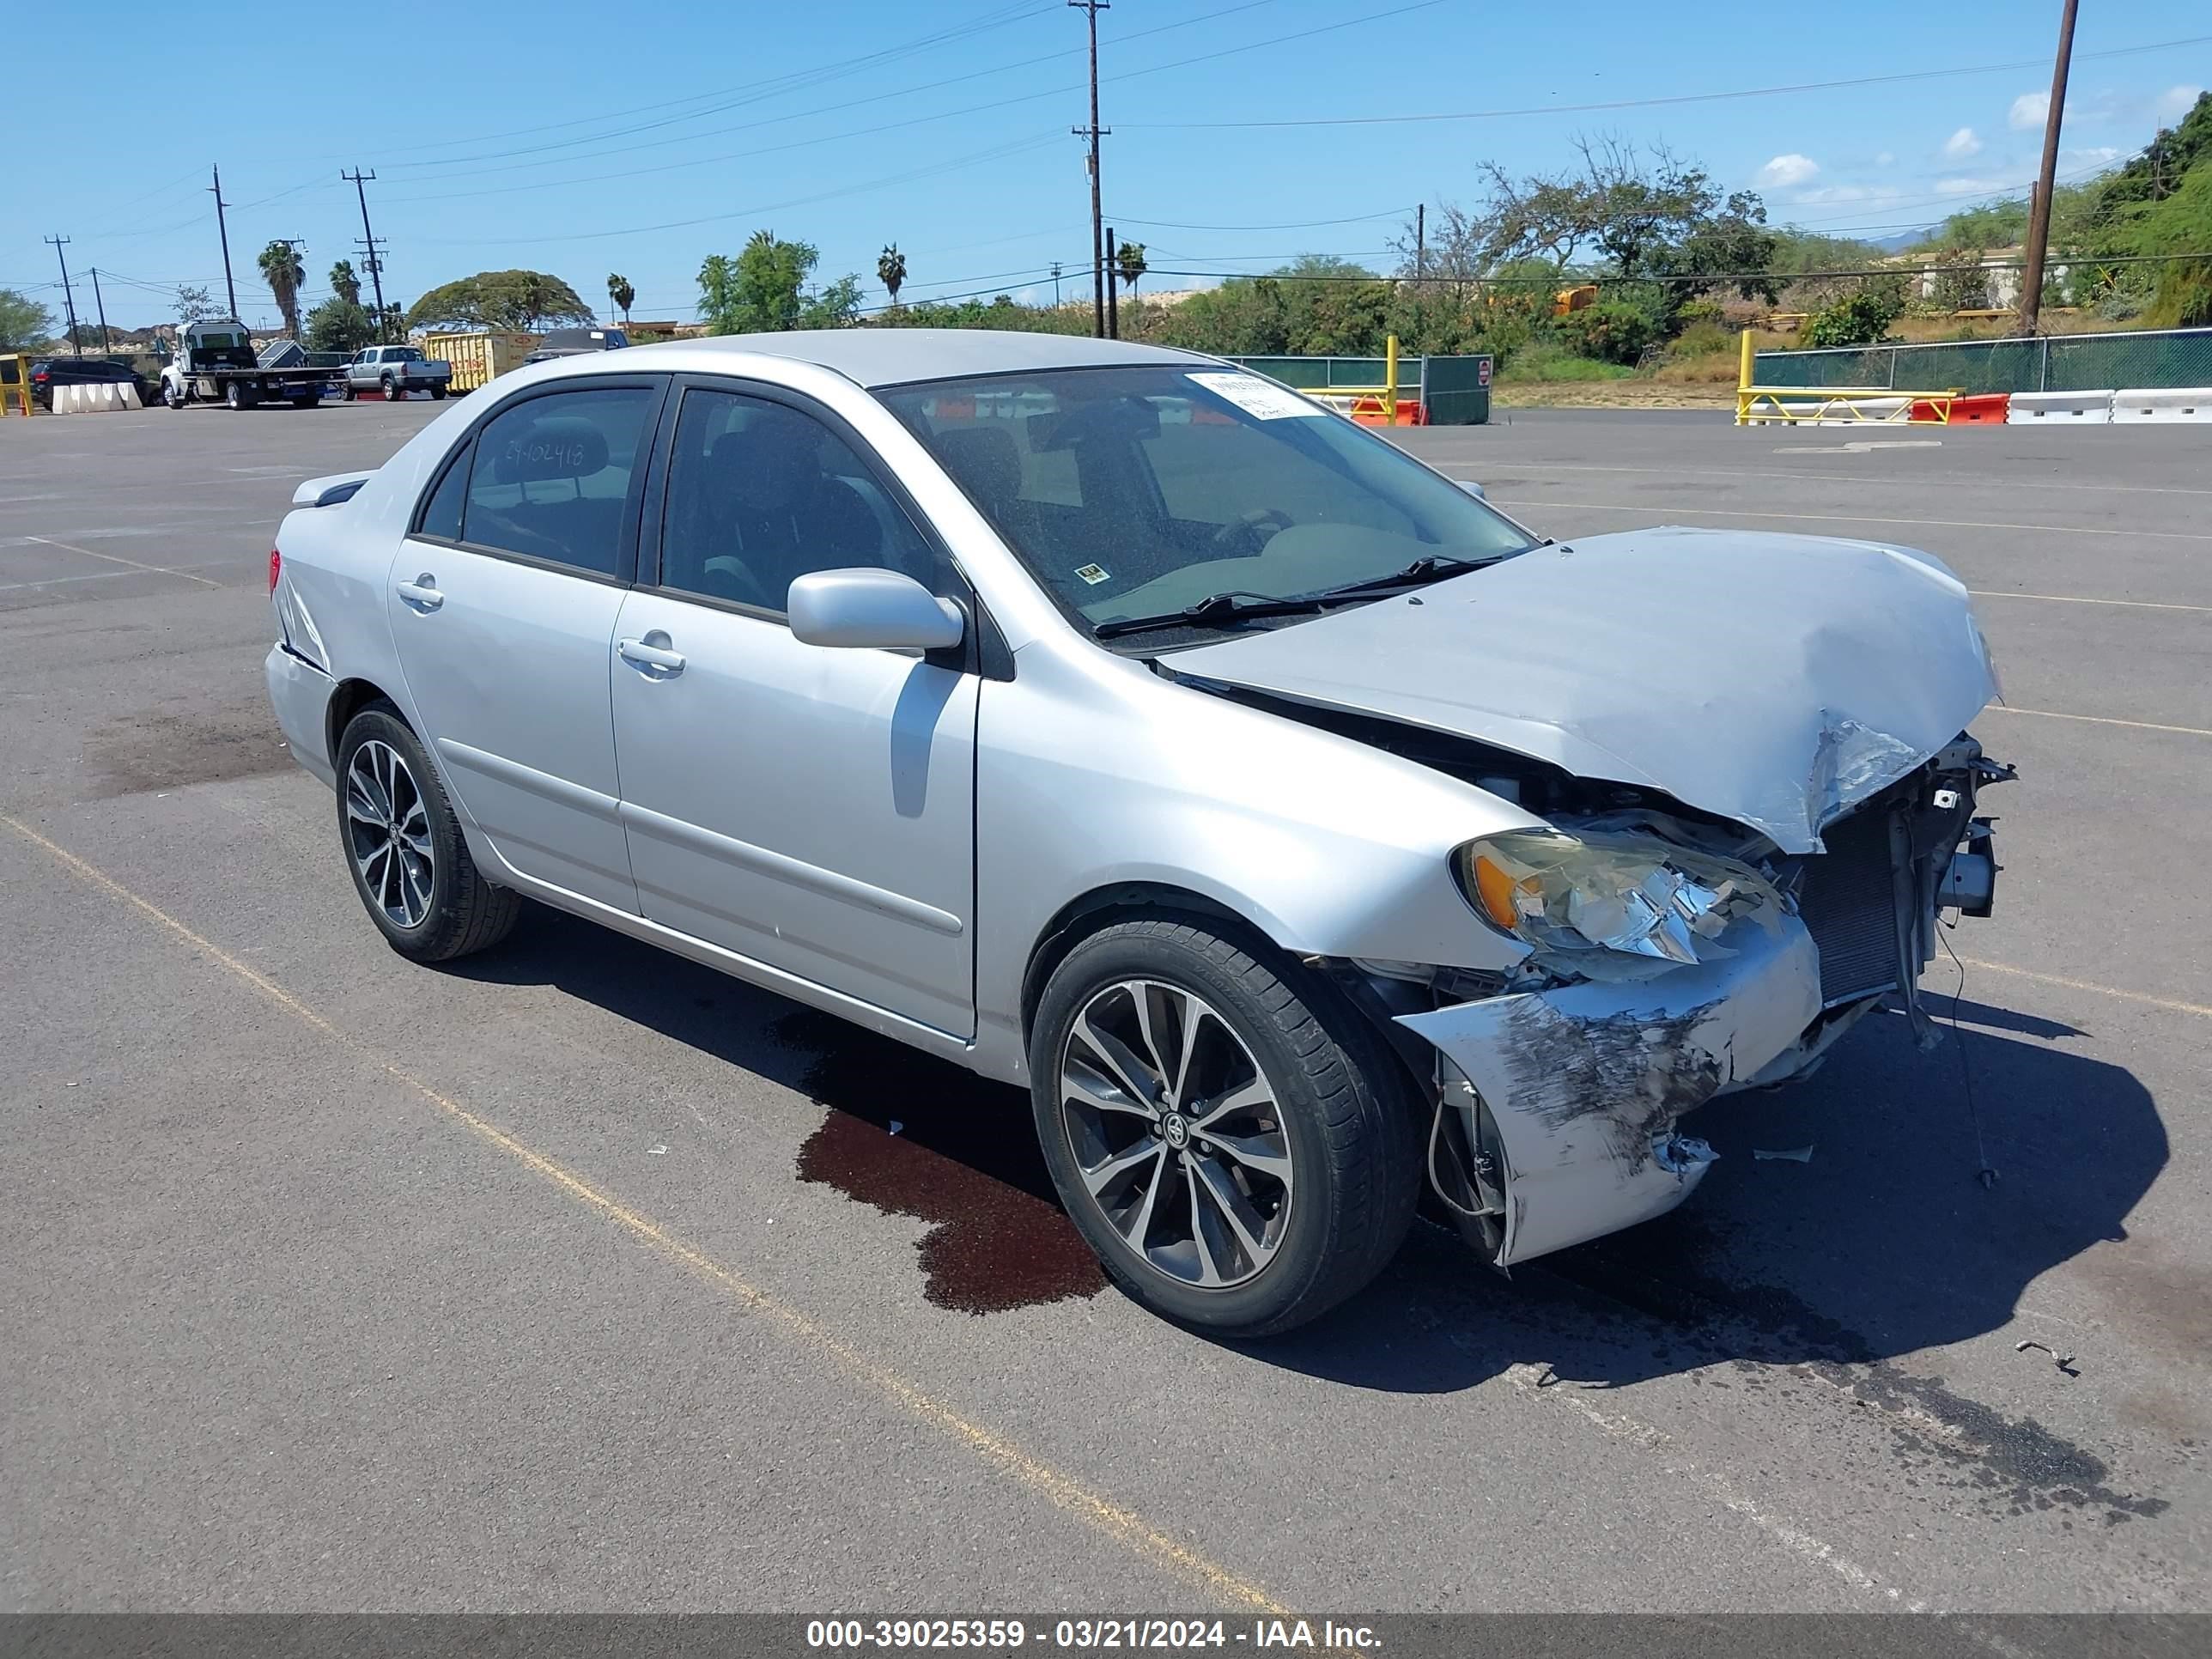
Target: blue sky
589,139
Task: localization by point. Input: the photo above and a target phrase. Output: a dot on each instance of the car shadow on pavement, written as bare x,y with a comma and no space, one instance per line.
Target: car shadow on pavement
1880,1243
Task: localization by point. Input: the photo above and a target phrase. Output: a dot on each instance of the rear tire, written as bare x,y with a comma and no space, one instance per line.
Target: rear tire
1286,1106
392,394
351,395
404,845
236,396
437,394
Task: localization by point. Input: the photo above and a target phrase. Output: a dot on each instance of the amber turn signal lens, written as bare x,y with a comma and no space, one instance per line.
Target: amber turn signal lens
1495,889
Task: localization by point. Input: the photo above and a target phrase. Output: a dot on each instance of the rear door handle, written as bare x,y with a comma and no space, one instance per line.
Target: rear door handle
422,593
652,654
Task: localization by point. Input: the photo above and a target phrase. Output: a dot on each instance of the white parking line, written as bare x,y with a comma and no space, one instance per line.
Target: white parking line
1791,474
1645,511
2170,1004
117,558
2098,719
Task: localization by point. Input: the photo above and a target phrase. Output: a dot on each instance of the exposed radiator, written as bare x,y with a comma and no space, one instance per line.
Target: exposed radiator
1848,903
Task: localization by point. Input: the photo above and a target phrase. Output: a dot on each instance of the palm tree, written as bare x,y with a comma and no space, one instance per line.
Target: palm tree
620,291
344,283
282,269
1129,259
890,271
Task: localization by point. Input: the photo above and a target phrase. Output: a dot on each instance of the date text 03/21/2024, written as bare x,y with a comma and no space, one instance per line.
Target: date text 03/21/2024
1086,1634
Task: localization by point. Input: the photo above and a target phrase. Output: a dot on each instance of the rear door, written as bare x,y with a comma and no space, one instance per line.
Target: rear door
810,809
503,604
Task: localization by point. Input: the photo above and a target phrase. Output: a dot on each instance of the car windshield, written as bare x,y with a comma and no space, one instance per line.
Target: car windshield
1133,493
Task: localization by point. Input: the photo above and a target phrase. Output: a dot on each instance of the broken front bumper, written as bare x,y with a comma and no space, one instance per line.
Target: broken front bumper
1566,1099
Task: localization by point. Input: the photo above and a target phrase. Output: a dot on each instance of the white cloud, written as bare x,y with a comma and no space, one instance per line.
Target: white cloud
2027,111
1962,144
2072,161
1845,195
1785,171
1976,186
1884,160
2173,103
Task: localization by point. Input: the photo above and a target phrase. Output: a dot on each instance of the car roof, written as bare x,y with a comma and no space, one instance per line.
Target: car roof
895,356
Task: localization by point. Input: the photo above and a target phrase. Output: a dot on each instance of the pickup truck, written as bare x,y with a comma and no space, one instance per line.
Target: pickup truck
216,363
396,370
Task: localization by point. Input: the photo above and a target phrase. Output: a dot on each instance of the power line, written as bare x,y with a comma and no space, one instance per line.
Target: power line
1645,103
898,125
1298,224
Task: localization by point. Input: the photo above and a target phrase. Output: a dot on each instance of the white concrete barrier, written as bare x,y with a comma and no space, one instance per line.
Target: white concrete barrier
2059,408
76,398
129,398
2162,403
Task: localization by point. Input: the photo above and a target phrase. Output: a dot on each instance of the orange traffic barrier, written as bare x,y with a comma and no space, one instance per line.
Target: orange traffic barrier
1983,408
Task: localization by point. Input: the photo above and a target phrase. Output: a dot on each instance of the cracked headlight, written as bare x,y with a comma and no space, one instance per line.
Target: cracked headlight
1565,894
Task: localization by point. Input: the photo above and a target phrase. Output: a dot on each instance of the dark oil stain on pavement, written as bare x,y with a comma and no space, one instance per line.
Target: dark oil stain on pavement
965,1157
185,740
2011,1467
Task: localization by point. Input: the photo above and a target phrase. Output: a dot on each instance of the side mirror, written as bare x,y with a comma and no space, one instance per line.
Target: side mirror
868,607
1472,489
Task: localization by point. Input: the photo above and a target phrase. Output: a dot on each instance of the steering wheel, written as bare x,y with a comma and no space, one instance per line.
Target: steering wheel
1248,532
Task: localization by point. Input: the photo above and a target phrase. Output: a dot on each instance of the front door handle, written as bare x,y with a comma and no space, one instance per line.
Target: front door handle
422,593
651,655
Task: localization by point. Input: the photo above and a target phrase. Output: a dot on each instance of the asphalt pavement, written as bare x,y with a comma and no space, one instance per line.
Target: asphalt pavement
579,1277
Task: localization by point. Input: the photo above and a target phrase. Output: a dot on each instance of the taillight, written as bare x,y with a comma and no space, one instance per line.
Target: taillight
276,569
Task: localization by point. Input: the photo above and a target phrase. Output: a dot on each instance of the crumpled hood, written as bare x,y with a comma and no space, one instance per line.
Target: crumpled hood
1776,680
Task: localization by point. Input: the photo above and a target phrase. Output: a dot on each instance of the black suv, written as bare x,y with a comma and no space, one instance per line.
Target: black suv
47,372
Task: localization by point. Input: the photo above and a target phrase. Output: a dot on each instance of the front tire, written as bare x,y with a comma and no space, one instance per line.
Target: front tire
1240,1151
402,844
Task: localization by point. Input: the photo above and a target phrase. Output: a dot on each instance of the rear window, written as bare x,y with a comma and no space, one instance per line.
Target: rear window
552,475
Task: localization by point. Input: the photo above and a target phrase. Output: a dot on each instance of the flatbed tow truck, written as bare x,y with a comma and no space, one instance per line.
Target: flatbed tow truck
216,363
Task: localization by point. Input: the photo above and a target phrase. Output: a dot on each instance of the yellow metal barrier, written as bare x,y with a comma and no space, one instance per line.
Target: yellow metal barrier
1796,405
1840,405
17,387
1351,395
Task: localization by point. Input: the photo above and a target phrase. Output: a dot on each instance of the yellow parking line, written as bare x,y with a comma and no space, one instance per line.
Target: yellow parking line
2069,599
1646,510
2098,720
117,558
1124,1527
2168,1003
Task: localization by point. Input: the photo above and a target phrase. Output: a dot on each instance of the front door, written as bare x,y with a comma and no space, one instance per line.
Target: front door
810,809
503,604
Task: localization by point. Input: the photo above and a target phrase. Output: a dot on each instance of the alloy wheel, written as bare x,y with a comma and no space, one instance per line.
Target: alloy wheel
388,833
1176,1133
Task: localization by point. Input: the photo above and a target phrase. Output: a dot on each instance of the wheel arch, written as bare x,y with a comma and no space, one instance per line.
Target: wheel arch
351,696
1102,907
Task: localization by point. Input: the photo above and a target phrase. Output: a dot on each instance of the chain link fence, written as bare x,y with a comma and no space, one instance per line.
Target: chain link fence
2064,362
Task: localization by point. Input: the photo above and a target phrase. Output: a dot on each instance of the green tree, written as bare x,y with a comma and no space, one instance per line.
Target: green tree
344,283
339,325
281,268
1129,264
763,289
621,294
194,304
890,270
23,321
1859,318
504,299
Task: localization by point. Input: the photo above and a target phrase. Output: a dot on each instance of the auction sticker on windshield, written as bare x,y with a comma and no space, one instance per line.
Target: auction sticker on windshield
1255,396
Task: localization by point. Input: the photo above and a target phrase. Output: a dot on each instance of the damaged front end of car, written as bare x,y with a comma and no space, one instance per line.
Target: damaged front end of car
1671,959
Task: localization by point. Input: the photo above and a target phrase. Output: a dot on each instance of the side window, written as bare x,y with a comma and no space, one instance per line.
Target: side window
442,514
551,474
760,494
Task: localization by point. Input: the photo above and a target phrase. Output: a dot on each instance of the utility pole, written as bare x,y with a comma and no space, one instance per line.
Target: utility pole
102,306
68,300
1113,292
368,243
222,230
1098,278
1420,237
2039,217
1055,284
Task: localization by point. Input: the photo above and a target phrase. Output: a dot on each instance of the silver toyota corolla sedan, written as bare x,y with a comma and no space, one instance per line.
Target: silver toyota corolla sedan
1302,832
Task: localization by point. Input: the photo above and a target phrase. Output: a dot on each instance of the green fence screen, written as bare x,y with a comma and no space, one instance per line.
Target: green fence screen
2064,362
1454,390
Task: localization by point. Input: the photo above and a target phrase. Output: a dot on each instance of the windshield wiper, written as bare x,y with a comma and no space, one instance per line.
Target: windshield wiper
1429,567
1214,608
